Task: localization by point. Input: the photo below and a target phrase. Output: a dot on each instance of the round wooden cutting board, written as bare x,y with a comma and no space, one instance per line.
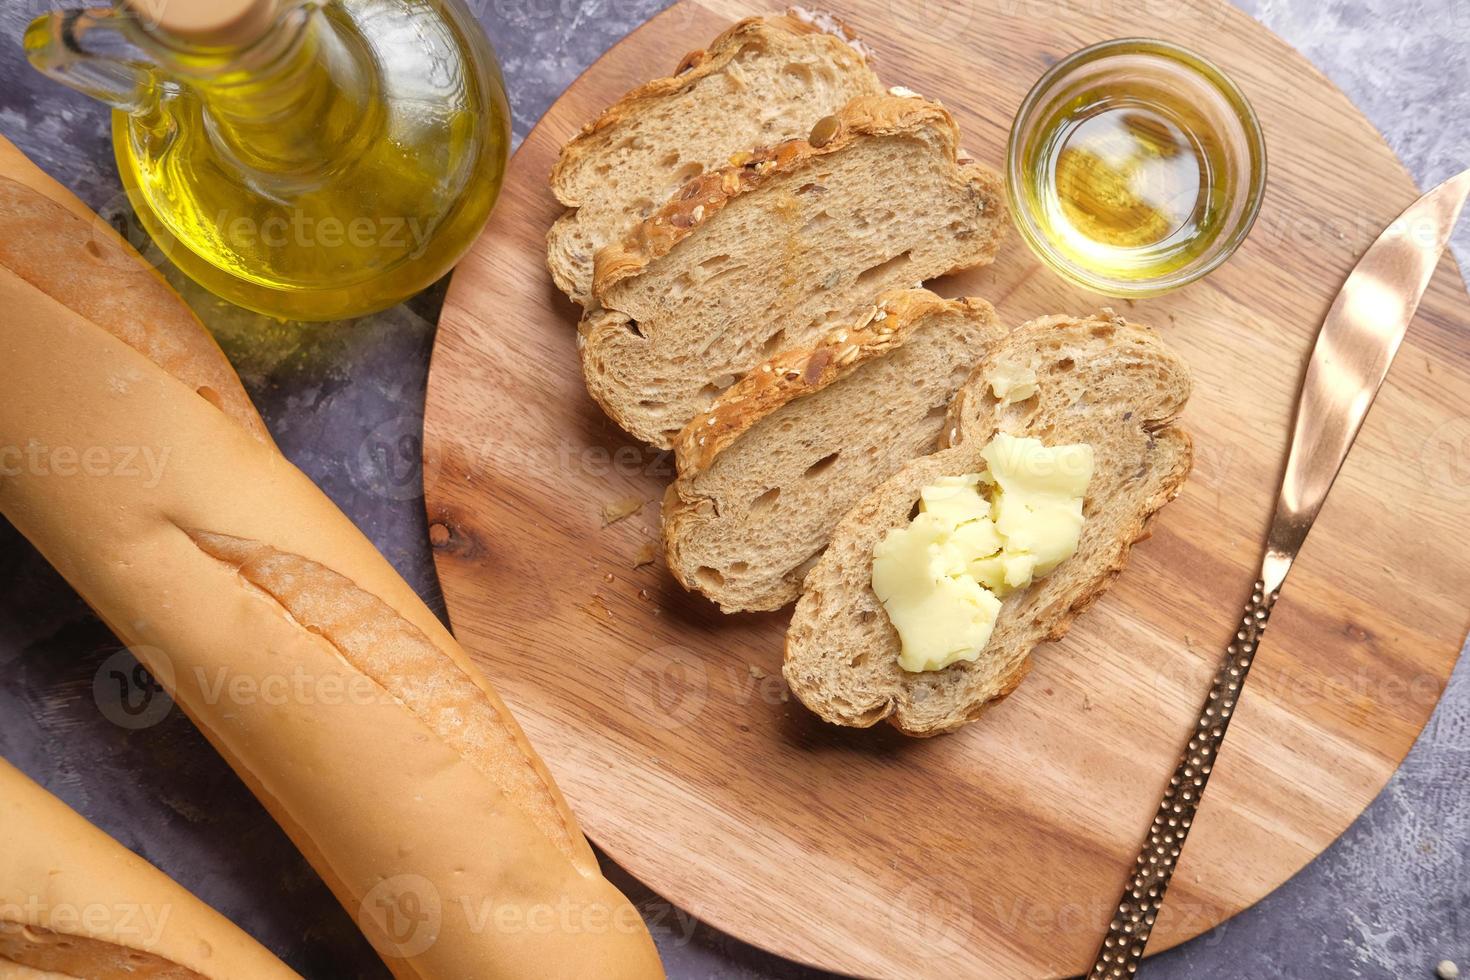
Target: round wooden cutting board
998,851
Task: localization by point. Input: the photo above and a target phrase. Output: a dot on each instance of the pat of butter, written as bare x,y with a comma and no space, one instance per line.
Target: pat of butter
976,539
1012,383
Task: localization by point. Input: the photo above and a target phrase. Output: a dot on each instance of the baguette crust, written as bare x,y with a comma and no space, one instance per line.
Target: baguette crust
399,775
51,240
400,658
54,864
709,193
840,623
694,66
804,371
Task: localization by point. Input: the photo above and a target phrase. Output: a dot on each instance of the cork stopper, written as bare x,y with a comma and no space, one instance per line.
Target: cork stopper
212,23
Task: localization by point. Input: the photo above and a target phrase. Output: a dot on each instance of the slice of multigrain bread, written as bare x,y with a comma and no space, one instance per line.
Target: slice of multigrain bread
764,80
770,469
752,260
1102,381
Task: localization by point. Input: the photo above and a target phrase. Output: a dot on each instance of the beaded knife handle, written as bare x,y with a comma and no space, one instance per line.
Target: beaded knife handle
1357,343
1122,949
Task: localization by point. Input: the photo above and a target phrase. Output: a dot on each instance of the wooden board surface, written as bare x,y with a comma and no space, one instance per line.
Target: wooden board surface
999,851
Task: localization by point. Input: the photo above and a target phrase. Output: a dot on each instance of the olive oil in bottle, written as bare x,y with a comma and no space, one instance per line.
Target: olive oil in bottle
309,159
1132,173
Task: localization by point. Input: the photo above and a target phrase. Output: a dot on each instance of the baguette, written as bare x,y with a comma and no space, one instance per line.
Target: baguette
755,259
392,764
75,903
1102,381
770,469
83,264
764,80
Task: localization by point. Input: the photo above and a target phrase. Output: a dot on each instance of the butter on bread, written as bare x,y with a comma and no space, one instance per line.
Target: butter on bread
764,80
1100,380
403,778
55,866
772,254
768,471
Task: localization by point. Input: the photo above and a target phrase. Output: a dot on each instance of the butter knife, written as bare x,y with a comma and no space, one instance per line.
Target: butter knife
1354,348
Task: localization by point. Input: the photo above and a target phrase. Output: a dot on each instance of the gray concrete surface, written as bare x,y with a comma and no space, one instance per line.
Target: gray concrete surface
1389,899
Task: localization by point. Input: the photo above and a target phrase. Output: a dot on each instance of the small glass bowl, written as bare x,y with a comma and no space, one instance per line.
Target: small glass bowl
1190,80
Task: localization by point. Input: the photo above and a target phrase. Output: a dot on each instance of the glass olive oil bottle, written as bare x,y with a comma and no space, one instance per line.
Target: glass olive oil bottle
309,159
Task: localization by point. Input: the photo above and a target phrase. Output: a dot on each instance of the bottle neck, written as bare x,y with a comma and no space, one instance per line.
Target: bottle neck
291,103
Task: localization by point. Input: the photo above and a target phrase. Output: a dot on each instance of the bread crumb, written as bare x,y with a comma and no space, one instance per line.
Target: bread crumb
645,555
619,510
756,672
1447,970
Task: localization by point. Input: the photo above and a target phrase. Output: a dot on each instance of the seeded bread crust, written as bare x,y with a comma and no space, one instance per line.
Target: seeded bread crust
746,519
692,67
800,372
707,194
841,650
830,38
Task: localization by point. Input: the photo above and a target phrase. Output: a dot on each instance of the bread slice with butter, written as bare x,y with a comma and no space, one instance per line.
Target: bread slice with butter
1098,380
752,260
765,80
770,469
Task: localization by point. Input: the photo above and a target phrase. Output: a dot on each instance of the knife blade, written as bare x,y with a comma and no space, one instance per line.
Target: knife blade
1354,348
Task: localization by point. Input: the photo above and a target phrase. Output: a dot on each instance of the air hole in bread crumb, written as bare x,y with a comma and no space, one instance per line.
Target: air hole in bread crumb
816,223
800,72
773,344
884,270
670,159
211,395
765,501
738,567
822,465
1065,364
1102,331
914,510
708,578
688,172
867,616
644,206
1021,410
714,262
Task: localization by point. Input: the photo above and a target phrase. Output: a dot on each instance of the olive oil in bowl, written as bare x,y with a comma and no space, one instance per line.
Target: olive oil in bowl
1135,167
